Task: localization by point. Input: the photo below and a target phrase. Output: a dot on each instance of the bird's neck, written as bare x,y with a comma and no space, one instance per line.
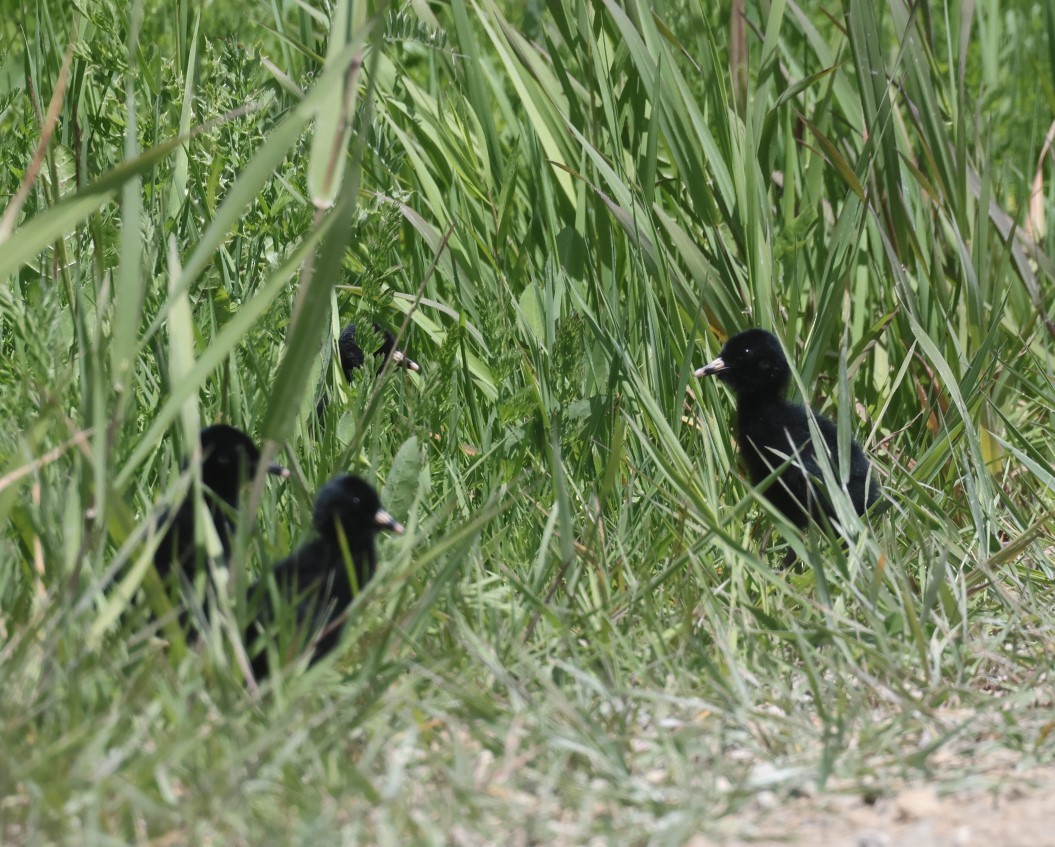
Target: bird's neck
759,403
364,557
757,414
223,494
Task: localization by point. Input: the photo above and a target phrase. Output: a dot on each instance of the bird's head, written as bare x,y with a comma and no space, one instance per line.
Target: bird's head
752,363
352,504
229,457
352,357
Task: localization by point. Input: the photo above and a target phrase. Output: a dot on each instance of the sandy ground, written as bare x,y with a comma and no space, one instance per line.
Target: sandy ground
1009,809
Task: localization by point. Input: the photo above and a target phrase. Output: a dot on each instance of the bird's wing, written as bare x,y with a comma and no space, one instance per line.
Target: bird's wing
295,598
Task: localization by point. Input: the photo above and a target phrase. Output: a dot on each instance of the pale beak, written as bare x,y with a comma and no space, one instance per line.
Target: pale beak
717,366
385,521
278,470
401,360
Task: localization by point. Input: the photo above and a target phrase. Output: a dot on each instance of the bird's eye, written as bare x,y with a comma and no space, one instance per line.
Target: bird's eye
356,501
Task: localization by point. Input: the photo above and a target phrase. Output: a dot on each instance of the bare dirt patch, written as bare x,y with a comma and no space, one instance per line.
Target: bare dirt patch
995,809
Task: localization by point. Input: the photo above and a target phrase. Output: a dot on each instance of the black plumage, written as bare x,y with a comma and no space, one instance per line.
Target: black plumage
314,582
352,357
771,430
229,459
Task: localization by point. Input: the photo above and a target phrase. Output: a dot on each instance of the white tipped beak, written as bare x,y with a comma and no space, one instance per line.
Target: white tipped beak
400,358
384,520
717,366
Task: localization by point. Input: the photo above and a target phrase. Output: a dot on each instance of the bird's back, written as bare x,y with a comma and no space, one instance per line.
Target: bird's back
313,589
776,432
177,547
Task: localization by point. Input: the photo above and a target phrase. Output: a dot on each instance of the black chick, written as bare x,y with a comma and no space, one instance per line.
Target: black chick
352,356
315,579
771,430
229,459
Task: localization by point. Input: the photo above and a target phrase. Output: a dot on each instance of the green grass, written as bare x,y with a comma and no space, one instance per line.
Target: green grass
565,208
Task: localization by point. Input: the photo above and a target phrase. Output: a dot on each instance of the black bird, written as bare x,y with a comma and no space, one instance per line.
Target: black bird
352,356
314,580
229,459
771,430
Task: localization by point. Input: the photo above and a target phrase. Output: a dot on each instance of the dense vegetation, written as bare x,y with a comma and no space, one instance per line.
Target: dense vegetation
565,206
